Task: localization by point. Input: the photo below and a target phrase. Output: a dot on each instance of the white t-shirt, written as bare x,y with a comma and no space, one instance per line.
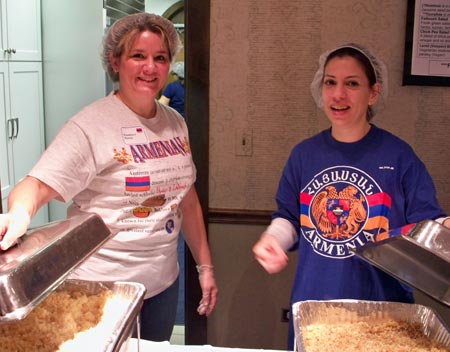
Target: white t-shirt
133,172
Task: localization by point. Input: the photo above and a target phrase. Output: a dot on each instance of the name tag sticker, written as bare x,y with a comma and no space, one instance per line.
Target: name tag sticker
134,135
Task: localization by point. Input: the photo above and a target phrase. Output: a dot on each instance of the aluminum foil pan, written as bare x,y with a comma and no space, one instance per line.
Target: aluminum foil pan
42,259
421,258
310,312
121,313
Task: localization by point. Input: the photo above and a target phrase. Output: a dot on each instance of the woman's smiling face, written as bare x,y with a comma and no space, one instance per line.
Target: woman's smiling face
346,92
143,70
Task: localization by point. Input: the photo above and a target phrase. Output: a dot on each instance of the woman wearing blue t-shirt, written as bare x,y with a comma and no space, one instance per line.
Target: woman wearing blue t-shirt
343,187
173,94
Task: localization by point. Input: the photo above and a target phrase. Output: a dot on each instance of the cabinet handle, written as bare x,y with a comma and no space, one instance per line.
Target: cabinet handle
16,120
13,50
11,128
10,51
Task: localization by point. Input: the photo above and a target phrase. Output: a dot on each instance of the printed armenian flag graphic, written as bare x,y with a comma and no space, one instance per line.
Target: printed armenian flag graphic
137,184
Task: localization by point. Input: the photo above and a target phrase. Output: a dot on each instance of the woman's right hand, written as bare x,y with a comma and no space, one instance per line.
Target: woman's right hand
270,254
12,226
23,202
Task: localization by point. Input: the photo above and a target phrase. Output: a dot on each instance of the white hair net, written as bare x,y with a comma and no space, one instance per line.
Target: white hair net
178,69
379,69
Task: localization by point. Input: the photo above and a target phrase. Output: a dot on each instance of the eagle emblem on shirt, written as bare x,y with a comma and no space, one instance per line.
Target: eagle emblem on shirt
339,214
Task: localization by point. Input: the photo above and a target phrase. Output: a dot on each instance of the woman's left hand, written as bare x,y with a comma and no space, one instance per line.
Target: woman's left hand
209,289
446,222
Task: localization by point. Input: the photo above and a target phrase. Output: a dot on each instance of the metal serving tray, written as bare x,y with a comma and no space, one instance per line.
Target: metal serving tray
310,312
42,259
420,258
113,333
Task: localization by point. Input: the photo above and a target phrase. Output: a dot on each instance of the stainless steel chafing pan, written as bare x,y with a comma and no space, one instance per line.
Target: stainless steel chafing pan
113,333
420,258
350,311
42,259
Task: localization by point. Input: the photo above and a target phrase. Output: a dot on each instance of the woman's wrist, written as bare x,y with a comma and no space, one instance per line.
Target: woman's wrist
20,213
201,268
444,221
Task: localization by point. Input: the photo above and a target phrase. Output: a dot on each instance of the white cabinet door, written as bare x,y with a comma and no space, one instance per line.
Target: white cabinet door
24,129
28,114
3,30
21,30
21,95
6,166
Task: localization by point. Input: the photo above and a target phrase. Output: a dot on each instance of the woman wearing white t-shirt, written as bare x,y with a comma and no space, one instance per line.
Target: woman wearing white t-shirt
126,157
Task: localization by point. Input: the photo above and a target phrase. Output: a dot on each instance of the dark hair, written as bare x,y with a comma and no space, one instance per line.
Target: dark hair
367,65
360,57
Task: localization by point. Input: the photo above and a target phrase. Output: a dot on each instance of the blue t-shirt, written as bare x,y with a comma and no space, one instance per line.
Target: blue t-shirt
175,92
340,195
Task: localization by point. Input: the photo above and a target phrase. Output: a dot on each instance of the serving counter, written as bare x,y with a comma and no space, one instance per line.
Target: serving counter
149,346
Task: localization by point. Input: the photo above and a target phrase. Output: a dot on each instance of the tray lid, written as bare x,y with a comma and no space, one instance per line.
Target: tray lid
42,259
421,258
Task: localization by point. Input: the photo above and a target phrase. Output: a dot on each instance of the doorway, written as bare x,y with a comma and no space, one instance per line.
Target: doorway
176,14
196,51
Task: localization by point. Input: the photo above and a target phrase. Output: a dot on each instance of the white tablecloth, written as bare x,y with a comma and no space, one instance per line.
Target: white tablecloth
147,346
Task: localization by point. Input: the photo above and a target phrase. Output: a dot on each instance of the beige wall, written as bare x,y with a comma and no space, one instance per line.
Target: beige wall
263,56
248,312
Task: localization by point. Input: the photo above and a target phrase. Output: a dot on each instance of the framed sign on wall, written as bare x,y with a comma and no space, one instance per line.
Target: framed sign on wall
427,43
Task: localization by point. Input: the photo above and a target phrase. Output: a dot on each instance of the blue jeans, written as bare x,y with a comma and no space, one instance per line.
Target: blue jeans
157,315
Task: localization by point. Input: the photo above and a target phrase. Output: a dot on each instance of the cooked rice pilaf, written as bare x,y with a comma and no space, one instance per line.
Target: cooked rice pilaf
377,336
57,319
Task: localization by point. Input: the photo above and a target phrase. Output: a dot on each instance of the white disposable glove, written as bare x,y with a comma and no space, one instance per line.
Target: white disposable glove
209,289
12,226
